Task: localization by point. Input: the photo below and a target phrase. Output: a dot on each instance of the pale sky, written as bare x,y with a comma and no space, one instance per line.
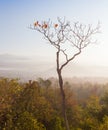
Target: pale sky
17,15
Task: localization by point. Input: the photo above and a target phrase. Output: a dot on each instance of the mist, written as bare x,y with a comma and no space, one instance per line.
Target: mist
32,67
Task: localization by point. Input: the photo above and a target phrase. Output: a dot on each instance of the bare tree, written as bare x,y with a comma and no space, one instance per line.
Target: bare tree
69,40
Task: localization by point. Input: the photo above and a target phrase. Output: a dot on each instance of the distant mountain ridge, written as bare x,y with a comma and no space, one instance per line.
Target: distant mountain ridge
32,67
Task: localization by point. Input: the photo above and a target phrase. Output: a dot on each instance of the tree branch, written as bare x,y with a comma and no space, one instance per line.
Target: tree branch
63,65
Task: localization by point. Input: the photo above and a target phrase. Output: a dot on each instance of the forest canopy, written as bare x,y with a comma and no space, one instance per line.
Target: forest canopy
36,105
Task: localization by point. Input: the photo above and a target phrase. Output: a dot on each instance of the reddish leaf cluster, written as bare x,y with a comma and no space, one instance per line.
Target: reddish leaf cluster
56,25
45,25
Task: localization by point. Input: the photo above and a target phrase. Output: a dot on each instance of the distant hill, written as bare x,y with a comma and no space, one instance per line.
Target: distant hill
26,68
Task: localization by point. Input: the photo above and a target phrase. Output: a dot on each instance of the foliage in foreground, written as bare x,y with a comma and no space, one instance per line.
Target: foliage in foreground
36,105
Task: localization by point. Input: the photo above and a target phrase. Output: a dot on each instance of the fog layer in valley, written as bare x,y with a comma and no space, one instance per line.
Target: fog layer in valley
24,67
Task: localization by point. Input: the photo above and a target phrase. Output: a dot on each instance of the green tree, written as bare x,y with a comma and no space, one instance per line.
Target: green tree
28,121
91,113
32,101
93,106
104,125
10,90
56,124
104,104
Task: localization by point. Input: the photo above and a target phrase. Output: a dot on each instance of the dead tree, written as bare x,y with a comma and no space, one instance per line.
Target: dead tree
69,41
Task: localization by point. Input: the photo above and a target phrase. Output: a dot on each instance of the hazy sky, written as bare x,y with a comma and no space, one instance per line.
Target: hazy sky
17,15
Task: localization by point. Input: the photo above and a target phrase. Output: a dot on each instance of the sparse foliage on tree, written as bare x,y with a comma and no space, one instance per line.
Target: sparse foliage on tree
69,41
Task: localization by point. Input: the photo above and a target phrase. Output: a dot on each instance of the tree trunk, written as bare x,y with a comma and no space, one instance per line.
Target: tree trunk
63,100
62,94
